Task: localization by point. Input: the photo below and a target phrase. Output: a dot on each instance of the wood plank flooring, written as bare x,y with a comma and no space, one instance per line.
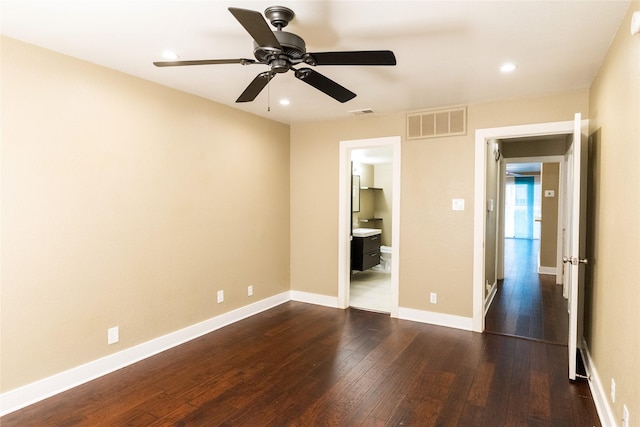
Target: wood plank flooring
528,304
305,365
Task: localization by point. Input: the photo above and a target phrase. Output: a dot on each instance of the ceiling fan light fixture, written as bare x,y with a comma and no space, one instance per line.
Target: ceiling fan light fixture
285,101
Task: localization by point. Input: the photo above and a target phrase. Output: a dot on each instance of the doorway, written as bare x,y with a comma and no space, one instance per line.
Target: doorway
372,206
366,153
573,221
483,293
528,303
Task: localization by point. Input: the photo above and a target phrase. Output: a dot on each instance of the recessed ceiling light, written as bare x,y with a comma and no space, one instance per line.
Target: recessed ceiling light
284,102
507,67
168,54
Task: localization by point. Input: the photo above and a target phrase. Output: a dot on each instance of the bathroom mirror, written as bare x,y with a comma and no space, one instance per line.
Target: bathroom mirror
355,193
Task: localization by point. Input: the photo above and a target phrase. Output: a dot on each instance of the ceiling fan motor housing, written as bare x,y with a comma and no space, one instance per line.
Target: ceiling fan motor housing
293,50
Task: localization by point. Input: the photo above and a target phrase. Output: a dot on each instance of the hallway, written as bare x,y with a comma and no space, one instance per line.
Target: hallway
527,304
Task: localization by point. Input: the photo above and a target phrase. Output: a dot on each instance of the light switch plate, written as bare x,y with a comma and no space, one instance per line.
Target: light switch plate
457,204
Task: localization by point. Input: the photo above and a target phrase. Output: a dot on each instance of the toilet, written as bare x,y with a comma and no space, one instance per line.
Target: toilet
385,258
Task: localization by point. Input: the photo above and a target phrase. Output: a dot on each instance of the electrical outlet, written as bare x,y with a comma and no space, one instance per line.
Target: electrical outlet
613,390
220,296
625,416
250,290
113,335
433,298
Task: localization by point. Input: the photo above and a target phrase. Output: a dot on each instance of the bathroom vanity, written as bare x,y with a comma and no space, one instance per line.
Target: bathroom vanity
365,248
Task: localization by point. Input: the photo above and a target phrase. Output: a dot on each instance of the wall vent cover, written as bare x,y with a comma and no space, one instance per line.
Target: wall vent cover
437,123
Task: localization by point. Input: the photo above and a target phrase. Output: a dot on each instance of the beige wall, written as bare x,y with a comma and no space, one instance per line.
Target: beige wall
613,275
550,180
534,146
383,200
127,203
436,242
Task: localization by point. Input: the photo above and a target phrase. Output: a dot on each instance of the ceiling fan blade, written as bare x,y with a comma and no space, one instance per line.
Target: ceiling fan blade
255,87
356,57
324,84
242,61
257,27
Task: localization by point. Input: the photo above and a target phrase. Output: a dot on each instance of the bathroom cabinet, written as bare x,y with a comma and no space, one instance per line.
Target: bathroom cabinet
365,252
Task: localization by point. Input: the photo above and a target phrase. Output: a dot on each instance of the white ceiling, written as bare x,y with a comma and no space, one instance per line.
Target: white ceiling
448,52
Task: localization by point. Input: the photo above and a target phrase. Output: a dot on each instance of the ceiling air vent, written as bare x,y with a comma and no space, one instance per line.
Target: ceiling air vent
361,112
437,123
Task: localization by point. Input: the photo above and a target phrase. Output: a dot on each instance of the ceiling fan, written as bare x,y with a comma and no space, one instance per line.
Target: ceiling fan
281,51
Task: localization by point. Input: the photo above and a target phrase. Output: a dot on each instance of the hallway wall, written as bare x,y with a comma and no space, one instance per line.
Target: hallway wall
550,181
612,288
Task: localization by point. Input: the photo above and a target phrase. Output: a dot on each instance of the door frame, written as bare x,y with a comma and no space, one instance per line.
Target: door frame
344,217
479,217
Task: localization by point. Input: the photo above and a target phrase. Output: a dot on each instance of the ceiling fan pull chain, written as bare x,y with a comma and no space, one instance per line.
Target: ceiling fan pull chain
268,90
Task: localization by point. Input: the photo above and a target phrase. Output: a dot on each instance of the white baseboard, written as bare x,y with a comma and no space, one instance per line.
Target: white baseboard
47,387
547,270
607,418
31,393
317,299
449,320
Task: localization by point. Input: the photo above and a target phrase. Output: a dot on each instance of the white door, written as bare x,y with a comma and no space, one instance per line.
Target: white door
573,259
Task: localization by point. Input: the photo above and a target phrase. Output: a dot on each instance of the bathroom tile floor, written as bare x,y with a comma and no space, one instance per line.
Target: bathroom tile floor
371,290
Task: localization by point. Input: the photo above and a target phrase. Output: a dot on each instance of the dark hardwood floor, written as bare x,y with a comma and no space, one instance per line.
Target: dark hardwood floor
528,304
305,365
